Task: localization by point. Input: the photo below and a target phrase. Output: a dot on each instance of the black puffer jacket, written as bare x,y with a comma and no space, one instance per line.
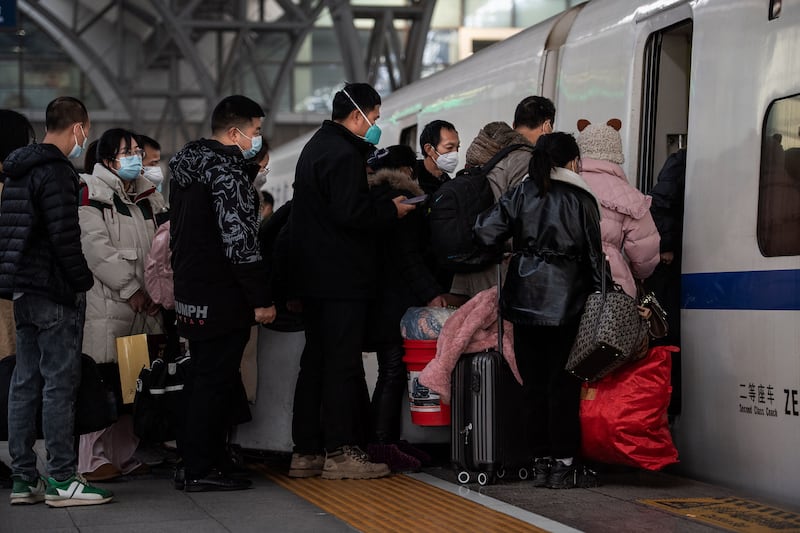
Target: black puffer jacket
405,280
558,252
667,206
40,239
334,221
219,275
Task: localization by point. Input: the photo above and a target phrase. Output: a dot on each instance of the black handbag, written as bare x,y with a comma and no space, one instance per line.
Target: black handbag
611,333
158,403
95,403
657,324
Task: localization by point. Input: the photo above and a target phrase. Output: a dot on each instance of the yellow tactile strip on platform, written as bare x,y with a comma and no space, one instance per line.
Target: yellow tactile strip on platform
398,504
734,514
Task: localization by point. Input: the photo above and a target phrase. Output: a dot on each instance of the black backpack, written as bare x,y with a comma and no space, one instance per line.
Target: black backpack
453,210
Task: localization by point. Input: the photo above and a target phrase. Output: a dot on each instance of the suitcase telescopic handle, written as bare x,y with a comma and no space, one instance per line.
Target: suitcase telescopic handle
499,312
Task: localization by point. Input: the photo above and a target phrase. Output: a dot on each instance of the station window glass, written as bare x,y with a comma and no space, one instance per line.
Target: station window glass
778,226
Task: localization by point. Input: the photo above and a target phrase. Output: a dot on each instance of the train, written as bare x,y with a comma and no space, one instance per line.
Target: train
722,79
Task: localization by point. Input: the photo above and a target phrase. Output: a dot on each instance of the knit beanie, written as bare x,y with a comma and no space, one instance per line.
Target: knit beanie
492,138
601,141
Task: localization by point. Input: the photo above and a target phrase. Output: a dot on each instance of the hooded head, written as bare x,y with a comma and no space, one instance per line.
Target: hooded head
395,156
601,141
492,138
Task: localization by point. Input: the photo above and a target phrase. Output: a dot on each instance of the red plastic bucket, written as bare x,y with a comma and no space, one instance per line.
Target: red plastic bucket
426,406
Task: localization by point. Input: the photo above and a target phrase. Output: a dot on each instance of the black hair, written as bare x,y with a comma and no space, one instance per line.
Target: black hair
144,140
15,133
551,151
395,156
108,145
233,112
90,159
63,112
267,198
363,94
432,133
533,111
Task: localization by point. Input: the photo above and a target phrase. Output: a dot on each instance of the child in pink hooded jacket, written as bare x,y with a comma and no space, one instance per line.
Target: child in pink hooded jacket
630,238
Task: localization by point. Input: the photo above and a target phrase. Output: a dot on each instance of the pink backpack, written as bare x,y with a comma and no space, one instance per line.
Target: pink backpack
158,269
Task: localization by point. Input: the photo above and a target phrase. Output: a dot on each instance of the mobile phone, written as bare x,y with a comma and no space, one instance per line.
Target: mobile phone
415,200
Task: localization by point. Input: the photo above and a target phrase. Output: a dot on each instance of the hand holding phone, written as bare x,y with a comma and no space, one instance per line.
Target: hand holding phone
415,200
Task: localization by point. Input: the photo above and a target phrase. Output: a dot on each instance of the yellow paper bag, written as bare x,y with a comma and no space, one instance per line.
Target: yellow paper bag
132,356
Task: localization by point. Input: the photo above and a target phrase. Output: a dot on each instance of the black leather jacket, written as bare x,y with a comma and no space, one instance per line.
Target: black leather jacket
557,255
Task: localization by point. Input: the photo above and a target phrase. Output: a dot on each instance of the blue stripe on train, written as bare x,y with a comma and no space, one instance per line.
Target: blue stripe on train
776,290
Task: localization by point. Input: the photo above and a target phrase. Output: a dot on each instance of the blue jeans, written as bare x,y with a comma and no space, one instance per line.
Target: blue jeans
48,372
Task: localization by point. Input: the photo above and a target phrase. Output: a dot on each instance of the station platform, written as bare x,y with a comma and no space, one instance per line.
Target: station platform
627,500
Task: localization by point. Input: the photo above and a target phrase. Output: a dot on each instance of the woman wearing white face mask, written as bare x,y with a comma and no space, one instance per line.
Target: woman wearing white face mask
117,218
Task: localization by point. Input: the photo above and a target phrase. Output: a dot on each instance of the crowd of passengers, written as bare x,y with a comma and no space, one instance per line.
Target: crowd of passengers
88,258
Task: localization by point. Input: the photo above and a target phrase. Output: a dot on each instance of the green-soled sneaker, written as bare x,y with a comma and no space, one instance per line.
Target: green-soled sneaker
27,492
74,491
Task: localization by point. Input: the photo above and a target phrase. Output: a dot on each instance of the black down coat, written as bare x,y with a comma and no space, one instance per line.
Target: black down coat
404,278
558,253
667,206
40,238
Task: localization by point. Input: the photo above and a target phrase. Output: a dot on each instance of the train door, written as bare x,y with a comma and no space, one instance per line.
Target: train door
666,66
548,77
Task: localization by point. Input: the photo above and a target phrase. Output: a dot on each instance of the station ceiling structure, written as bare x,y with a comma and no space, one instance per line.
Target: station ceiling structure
160,66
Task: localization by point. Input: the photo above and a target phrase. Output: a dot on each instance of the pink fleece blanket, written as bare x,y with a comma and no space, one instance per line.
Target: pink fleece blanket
472,328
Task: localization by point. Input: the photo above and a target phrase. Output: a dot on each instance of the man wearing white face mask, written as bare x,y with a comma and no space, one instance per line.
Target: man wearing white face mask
152,172
439,142
334,225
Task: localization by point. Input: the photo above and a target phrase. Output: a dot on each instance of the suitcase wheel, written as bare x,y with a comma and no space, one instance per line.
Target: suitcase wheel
484,479
463,477
501,473
523,473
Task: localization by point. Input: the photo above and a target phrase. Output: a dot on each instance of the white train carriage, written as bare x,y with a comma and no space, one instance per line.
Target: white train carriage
723,77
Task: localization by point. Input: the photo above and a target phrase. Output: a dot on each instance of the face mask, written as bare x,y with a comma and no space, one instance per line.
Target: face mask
255,145
154,175
130,167
373,135
78,149
447,162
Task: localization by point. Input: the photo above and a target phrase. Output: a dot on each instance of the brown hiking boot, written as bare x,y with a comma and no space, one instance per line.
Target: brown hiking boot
349,462
306,465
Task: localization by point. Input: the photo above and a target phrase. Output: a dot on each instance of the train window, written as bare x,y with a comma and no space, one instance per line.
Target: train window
409,137
778,225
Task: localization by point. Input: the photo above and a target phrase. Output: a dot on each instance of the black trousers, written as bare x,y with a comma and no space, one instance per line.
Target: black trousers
391,390
331,401
551,395
212,389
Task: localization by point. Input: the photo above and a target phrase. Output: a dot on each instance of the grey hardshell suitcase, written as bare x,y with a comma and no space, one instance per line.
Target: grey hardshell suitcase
485,419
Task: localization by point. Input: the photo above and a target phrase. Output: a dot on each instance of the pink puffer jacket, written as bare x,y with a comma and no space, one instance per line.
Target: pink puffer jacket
158,270
625,223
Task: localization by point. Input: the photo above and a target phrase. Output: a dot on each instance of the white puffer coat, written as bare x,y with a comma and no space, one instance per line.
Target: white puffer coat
116,234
